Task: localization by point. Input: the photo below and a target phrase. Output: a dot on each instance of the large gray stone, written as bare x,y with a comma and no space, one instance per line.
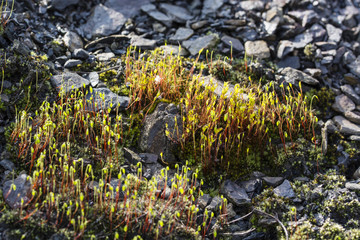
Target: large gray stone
345,126
354,66
151,10
178,14
350,92
182,34
104,98
236,194
211,6
353,116
102,22
258,49
128,8
143,43
294,76
22,192
343,104
252,5
233,42
194,46
285,190
60,5
153,138
72,40
68,81
334,33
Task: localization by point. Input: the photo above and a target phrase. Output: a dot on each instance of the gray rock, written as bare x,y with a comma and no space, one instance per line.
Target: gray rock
290,61
178,14
7,165
204,42
111,100
68,81
333,33
294,76
199,24
327,60
319,218
274,15
349,91
102,22
306,17
252,185
204,200
94,79
356,174
128,8
273,181
60,5
142,43
132,156
345,126
233,42
72,63
354,66
81,54
252,5
214,204
182,34
352,186
158,27
326,46
285,190
104,57
354,138
343,104
314,72
149,158
23,188
153,137
351,79
211,6
258,49
151,10
174,50
72,40
353,116
284,48
235,22
303,39
236,194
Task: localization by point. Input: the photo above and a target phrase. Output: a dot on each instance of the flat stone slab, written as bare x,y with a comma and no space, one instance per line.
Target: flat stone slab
258,49
128,8
109,100
150,9
285,190
194,46
236,194
103,21
182,34
21,191
177,13
294,75
60,5
343,104
345,126
68,81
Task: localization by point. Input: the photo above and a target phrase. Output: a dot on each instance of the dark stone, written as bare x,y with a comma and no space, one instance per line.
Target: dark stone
61,5
111,100
285,190
68,81
132,156
23,188
236,194
290,61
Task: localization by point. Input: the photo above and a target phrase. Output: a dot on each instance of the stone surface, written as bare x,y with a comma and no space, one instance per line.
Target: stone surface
345,126
22,192
151,10
7,164
102,22
111,100
258,49
273,181
353,116
354,66
211,6
293,76
149,158
61,5
104,57
81,54
142,43
93,77
68,81
235,194
178,14
233,42
175,50
343,104
72,40
285,190
352,186
290,61
252,5
128,8
284,47
205,42
349,91
153,137
72,63
333,33
132,156
182,34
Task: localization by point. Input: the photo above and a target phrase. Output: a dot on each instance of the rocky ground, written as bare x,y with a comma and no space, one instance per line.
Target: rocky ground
45,45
